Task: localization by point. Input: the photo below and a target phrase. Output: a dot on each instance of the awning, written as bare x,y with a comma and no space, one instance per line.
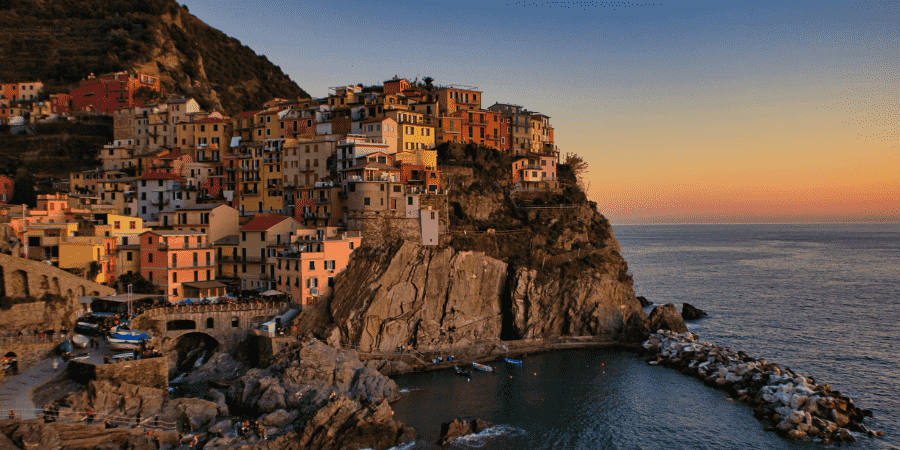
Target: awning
203,284
271,292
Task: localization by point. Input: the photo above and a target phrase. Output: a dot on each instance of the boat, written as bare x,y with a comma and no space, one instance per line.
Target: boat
483,367
127,339
513,361
463,373
80,340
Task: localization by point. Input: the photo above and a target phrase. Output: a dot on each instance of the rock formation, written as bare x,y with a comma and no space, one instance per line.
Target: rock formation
794,404
457,428
689,312
666,317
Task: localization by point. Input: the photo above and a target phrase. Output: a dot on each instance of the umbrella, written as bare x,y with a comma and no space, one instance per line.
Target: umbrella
271,292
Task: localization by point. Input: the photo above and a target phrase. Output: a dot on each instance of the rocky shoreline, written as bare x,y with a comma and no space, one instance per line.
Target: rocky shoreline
794,406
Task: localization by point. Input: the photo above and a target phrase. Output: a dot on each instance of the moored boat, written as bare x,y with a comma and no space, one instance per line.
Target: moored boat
127,339
80,340
513,361
483,367
463,373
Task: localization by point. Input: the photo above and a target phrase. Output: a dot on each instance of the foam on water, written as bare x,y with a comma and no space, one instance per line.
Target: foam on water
481,438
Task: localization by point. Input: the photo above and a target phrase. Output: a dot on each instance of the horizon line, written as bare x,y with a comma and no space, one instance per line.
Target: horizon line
756,223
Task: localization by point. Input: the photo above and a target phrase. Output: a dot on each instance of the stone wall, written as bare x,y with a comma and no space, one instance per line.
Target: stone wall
21,277
222,329
30,353
23,316
266,346
151,372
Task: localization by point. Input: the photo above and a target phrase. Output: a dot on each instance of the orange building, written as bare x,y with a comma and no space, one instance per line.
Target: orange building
107,93
60,103
454,98
170,259
308,273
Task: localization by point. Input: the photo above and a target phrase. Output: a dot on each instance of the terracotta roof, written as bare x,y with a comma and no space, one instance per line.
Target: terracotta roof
264,222
248,113
212,120
161,176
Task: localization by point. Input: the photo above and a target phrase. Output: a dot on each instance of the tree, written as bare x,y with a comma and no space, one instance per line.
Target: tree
578,166
145,94
139,284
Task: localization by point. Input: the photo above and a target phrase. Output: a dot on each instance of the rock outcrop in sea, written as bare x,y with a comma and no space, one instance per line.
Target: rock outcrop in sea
793,404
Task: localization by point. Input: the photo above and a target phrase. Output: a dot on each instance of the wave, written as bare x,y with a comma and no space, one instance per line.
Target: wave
407,446
408,390
481,438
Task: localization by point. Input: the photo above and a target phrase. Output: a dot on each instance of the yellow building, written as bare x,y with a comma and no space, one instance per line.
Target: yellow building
126,230
78,252
412,132
227,251
212,136
261,240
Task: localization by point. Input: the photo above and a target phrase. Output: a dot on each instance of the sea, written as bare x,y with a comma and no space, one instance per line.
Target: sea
821,299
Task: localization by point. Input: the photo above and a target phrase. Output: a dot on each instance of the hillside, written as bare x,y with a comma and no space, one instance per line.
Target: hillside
62,41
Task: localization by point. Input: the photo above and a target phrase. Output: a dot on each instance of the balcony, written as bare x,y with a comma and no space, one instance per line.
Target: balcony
266,277
249,192
321,200
199,265
323,215
183,246
282,243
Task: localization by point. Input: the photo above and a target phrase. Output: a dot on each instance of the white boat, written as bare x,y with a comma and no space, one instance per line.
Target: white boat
127,339
483,367
80,340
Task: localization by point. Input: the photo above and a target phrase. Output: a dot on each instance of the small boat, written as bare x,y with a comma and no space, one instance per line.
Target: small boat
127,339
463,373
80,340
513,361
483,367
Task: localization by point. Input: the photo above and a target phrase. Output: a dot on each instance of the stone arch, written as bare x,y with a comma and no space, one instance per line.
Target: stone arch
95,294
81,291
192,346
44,284
18,284
54,286
10,363
70,295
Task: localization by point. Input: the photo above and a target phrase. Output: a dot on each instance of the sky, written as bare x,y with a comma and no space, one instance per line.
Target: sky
685,111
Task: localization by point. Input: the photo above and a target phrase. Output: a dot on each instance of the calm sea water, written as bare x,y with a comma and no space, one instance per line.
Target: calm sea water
822,299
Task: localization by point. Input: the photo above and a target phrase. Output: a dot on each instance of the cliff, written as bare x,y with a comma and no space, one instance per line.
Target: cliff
505,269
60,42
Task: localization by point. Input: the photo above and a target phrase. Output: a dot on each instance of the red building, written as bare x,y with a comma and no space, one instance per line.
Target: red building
108,93
6,188
60,103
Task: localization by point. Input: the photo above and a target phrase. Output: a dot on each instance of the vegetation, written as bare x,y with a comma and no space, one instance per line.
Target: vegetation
62,41
139,284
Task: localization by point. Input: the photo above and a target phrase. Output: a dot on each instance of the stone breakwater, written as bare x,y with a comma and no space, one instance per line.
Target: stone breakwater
795,406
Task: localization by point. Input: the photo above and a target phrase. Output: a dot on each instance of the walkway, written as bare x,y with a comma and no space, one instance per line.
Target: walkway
15,390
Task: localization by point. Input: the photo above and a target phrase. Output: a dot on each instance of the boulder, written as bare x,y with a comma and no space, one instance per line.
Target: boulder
689,312
458,428
196,413
277,419
666,317
220,367
644,302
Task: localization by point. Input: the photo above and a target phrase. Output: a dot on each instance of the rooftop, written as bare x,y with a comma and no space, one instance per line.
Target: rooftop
264,222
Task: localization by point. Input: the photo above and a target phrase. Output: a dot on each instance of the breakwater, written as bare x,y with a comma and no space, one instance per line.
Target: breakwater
795,406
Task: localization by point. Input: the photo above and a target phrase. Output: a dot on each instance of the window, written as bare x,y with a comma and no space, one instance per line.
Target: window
150,259
312,265
196,275
175,292
366,201
116,225
235,322
210,323
128,256
397,188
174,277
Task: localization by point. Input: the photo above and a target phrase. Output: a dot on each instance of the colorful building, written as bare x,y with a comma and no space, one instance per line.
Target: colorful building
307,274
214,220
172,258
109,92
7,185
535,171
261,240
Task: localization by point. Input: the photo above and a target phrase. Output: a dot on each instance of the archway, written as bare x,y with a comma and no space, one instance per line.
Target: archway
70,295
81,291
54,286
191,347
95,294
10,364
18,284
44,284
210,323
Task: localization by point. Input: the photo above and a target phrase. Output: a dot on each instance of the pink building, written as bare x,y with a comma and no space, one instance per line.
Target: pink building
535,172
308,274
182,264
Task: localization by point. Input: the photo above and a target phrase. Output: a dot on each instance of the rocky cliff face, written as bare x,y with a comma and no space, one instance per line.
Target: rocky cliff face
508,270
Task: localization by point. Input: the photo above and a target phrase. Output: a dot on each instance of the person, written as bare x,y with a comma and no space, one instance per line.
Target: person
107,424
194,442
12,415
55,364
89,416
262,433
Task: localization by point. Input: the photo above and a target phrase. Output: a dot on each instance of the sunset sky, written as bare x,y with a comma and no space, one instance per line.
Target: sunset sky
686,111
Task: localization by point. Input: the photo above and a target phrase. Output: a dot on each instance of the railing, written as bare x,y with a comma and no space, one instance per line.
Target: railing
198,265
249,192
323,199
70,416
184,246
217,307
